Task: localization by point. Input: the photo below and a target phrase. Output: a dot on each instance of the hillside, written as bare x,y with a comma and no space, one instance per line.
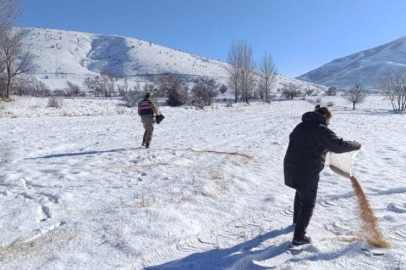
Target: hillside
66,55
363,67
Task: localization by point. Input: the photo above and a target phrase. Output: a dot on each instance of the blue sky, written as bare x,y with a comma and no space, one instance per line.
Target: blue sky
300,34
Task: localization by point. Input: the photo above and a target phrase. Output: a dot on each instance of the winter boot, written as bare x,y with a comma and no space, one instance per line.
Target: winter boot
147,145
144,139
301,241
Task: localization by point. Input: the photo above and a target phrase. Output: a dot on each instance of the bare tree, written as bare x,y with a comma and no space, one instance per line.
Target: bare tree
20,87
38,88
241,70
203,93
290,91
248,71
136,87
357,94
108,85
9,11
14,61
156,81
150,88
134,95
124,88
267,71
234,68
88,82
94,84
393,84
72,89
33,86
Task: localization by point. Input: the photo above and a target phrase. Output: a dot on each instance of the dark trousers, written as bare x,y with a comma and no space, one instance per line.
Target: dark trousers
148,122
305,201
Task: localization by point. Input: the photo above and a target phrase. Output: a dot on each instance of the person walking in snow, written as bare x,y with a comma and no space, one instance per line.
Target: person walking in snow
147,109
304,160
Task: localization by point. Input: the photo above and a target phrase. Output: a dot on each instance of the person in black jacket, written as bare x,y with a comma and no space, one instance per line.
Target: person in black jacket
304,160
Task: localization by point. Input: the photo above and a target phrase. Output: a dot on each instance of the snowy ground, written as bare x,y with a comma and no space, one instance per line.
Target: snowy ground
27,107
79,193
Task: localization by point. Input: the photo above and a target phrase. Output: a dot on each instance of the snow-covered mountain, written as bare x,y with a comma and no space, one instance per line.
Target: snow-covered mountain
364,67
67,55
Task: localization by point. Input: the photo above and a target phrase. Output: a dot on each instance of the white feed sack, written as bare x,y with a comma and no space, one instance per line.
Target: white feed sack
342,163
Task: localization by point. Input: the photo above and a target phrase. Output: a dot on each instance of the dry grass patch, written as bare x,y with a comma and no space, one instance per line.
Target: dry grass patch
46,243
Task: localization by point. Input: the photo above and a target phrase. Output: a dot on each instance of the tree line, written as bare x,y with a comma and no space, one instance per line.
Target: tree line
392,84
178,91
246,79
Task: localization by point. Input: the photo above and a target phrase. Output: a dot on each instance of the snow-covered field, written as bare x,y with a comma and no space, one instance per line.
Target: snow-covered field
79,193
37,107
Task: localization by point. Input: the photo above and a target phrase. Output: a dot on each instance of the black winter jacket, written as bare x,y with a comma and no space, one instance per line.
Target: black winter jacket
308,145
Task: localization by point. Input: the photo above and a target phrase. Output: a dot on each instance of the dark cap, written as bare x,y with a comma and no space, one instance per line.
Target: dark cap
148,95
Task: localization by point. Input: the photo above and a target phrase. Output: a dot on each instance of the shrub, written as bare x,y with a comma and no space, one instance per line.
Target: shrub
331,91
133,97
309,92
55,102
21,87
174,88
59,93
178,96
33,87
203,94
223,88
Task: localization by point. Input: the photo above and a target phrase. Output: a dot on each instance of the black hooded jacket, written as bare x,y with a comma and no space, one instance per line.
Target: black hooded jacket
308,145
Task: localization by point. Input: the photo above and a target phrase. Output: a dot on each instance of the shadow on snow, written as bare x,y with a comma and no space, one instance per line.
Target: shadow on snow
242,255
239,256
85,153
